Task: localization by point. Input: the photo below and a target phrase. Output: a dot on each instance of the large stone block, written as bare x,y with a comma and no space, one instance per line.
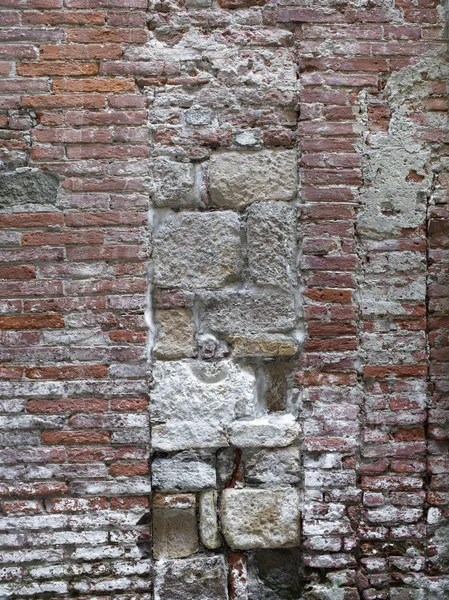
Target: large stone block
175,533
246,313
175,184
271,238
238,179
202,578
260,518
176,334
193,403
28,186
197,250
183,472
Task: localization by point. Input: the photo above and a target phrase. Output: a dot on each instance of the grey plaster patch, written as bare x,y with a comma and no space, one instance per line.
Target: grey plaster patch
186,472
27,186
197,250
271,235
258,518
202,578
237,313
238,179
193,403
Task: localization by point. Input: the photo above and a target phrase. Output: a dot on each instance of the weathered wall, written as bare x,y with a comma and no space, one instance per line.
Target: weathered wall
225,225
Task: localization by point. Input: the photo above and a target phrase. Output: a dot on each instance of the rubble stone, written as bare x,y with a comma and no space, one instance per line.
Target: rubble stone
209,531
202,578
183,472
176,334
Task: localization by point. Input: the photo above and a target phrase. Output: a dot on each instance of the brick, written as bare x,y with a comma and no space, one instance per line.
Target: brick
49,321
55,68
70,438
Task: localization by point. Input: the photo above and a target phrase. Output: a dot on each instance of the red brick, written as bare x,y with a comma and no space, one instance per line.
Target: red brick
32,322
67,372
73,438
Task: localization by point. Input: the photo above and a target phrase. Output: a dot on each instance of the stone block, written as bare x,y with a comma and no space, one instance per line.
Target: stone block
276,384
271,234
202,578
175,532
197,250
175,337
260,518
272,466
186,471
193,403
238,179
209,532
27,186
269,346
247,313
271,431
175,184
278,571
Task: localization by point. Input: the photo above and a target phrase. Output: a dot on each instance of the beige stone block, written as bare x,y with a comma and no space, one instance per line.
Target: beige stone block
267,346
260,518
176,334
175,532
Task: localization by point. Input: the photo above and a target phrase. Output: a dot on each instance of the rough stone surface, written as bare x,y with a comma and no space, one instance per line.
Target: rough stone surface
194,403
271,234
197,250
258,518
208,525
176,184
267,432
27,186
269,346
183,472
174,533
202,579
247,313
175,338
239,179
276,466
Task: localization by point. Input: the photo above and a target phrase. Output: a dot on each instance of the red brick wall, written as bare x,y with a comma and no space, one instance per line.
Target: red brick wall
78,100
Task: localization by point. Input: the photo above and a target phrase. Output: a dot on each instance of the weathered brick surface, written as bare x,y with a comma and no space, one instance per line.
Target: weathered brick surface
113,112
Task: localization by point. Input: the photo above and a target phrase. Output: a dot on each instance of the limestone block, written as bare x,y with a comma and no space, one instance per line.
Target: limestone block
271,431
197,250
174,532
202,578
248,313
260,518
209,532
27,186
174,184
193,403
272,466
176,334
269,346
238,179
271,238
183,472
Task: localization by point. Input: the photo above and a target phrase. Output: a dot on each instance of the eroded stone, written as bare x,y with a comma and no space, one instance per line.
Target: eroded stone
270,431
269,346
28,186
202,578
176,334
183,472
271,238
238,179
245,313
209,532
197,250
174,184
260,518
193,403
274,466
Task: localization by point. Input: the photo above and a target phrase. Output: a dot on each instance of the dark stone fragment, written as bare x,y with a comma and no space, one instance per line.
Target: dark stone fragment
27,187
